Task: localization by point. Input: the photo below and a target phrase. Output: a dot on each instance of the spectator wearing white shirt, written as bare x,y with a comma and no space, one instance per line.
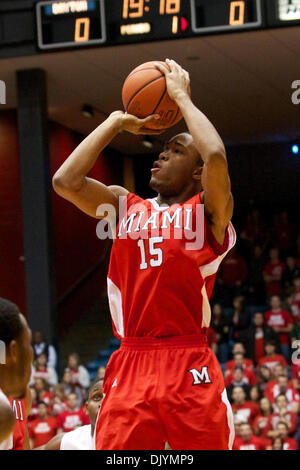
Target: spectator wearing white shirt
41,347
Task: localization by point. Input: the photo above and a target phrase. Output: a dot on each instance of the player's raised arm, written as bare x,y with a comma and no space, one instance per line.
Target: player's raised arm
218,199
71,181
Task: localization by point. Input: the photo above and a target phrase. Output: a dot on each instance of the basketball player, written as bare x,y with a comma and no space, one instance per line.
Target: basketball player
21,409
82,437
15,373
164,384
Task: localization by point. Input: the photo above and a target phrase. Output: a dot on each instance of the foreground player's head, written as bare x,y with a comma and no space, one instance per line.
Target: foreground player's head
16,335
178,168
94,401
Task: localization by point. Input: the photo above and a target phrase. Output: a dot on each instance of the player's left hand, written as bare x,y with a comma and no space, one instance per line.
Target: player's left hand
178,79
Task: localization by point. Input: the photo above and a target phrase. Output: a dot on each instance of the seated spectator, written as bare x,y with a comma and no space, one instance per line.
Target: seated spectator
42,428
296,368
288,442
41,347
41,370
270,359
241,376
238,360
281,322
59,399
261,424
43,393
254,337
273,272
79,374
232,273
34,404
277,443
283,386
282,414
255,393
246,440
240,319
291,306
220,325
290,273
243,411
284,232
73,417
264,376
255,281
255,231
69,387
101,372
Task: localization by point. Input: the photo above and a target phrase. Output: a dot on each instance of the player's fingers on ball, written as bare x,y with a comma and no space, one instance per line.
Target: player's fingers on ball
162,68
153,117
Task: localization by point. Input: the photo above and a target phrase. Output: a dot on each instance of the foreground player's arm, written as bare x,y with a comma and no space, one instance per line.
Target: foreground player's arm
53,444
7,420
215,178
71,181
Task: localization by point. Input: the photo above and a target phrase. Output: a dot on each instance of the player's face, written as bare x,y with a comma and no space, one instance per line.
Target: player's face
176,167
94,402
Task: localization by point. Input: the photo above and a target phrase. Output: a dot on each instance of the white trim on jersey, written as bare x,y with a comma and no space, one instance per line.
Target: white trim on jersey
230,420
79,439
210,269
115,305
157,206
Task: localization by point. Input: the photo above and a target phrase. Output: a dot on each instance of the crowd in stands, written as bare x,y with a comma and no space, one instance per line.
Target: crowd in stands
254,332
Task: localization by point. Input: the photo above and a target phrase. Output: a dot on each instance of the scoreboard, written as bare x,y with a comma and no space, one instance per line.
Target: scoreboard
32,26
80,23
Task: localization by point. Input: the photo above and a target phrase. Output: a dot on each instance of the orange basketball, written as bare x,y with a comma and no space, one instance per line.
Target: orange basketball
145,93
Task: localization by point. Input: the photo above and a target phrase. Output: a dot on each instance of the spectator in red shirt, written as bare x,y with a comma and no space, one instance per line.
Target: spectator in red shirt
243,411
240,377
79,375
240,319
281,322
43,393
271,359
42,428
273,272
296,284
238,360
264,376
246,440
288,442
283,386
231,276
41,370
261,424
73,417
254,337
282,414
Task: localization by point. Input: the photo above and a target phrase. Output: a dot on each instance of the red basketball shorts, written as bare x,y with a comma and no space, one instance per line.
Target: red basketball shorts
164,390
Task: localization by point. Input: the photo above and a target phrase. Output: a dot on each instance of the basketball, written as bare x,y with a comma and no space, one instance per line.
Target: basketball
145,93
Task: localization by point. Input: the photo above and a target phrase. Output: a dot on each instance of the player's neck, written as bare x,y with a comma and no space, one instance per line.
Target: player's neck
178,199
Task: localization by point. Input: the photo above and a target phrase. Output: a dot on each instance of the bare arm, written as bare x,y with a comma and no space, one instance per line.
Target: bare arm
53,444
71,181
7,421
218,200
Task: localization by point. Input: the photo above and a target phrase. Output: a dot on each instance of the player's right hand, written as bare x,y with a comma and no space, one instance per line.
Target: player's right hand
134,125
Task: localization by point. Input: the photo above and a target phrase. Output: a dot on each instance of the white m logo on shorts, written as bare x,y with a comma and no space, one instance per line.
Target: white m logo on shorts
200,377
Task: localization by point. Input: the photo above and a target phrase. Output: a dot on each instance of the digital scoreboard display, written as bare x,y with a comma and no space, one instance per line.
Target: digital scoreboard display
77,23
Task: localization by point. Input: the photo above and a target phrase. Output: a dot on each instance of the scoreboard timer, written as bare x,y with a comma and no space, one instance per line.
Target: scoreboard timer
77,23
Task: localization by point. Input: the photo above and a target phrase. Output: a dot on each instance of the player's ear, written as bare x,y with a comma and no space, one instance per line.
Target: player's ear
197,173
86,407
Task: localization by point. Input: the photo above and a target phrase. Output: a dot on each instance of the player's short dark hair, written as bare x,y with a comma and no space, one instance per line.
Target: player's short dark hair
10,321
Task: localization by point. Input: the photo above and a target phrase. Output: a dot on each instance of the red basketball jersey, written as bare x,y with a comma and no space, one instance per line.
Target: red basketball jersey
19,408
162,269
